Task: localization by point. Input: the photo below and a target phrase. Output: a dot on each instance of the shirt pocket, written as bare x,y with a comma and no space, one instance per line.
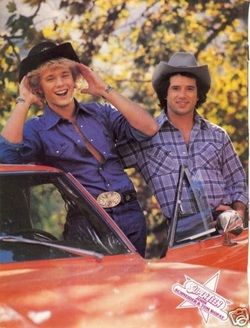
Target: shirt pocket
158,161
209,157
56,149
98,134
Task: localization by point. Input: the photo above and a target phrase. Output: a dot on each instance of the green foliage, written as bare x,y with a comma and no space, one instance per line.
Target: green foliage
50,213
124,40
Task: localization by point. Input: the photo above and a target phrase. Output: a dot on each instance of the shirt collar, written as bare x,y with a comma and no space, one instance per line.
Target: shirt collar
198,119
163,119
52,118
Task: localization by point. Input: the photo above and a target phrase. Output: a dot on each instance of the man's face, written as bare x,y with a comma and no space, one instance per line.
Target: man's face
182,95
58,85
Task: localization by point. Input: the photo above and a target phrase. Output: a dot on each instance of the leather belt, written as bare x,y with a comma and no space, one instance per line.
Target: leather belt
110,199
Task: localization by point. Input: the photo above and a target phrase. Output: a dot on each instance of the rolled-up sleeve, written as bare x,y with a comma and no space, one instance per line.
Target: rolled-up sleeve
233,173
10,152
24,152
120,126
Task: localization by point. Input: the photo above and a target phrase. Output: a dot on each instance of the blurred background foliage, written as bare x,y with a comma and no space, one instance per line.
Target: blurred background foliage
124,40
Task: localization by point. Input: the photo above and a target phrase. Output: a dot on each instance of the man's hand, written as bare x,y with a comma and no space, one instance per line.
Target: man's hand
26,93
96,86
223,208
13,129
237,206
136,115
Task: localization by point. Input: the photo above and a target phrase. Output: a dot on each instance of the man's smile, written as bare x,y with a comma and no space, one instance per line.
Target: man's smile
62,92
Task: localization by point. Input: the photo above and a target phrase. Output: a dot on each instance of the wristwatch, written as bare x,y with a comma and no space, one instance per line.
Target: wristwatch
20,99
108,88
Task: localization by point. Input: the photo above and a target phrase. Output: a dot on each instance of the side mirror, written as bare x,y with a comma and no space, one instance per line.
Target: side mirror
229,224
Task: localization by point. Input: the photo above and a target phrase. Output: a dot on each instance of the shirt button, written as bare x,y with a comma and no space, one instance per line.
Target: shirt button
91,140
78,140
104,153
57,151
108,185
81,126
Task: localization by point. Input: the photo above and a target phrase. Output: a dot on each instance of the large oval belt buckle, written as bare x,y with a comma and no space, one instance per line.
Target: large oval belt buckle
109,199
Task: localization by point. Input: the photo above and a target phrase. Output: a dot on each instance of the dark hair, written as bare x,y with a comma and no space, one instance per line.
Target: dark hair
162,91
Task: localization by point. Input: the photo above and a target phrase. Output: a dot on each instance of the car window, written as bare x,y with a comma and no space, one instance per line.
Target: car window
192,217
37,206
47,209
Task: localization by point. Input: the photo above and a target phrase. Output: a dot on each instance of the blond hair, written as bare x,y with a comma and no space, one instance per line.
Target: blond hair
34,75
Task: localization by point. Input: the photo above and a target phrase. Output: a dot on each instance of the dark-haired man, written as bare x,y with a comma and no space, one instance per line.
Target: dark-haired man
185,138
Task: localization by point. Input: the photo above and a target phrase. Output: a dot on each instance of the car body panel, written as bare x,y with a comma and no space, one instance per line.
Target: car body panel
212,252
124,290
27,168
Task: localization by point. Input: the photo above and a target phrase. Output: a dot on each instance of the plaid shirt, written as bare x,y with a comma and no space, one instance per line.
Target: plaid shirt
210,158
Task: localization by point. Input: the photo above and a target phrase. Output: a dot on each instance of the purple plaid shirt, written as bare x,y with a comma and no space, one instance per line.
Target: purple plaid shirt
210,158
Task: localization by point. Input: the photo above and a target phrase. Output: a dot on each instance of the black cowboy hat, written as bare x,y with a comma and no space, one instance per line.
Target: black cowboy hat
180,62
44,52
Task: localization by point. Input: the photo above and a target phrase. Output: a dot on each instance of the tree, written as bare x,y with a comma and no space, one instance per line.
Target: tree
125,40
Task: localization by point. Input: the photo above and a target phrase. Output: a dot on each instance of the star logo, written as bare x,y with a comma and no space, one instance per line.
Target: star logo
203,297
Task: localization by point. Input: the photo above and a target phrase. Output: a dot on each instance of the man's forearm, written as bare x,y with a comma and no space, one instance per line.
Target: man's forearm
13,129
136,115
240,208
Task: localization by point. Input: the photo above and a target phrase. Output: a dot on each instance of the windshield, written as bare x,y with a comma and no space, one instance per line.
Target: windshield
38,206
192,217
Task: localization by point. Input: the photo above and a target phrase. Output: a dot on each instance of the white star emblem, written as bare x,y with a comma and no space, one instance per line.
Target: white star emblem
203,297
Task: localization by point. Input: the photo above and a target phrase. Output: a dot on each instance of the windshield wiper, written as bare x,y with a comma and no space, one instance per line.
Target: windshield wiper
69,249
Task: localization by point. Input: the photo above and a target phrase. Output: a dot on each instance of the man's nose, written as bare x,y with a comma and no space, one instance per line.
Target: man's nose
182,92
59,81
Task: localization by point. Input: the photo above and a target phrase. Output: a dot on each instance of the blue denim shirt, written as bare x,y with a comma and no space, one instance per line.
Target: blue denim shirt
51,140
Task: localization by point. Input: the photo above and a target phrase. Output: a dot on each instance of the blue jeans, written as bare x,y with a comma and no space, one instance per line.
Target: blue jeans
130,219
191,224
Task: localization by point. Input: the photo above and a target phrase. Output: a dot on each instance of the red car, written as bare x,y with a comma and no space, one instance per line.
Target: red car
100,281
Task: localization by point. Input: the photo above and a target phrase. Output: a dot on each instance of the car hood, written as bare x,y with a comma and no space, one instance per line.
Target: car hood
213,252
120,291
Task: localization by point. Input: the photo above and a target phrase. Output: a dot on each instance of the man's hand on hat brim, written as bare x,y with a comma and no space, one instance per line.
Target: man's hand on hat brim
28,94
96,86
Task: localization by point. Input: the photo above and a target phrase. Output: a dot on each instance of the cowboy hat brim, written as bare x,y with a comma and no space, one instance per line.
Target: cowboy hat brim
164,70
64,50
